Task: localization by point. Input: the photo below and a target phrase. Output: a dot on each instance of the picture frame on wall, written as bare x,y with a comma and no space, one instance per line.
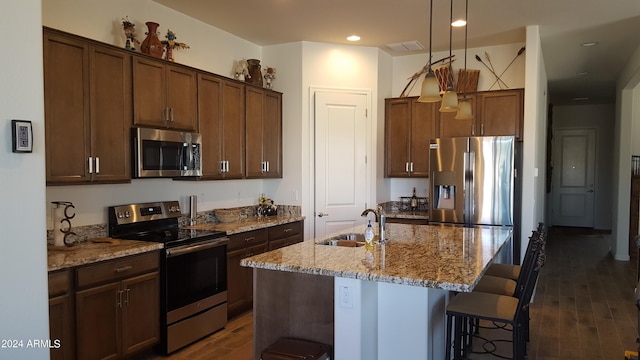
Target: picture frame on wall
22,136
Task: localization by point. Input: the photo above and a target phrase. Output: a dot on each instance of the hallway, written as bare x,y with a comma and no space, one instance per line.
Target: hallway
584,306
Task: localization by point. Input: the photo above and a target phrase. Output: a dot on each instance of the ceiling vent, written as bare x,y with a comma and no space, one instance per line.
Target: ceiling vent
406,46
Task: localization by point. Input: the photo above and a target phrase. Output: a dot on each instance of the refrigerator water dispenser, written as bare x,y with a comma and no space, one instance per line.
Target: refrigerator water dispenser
444,191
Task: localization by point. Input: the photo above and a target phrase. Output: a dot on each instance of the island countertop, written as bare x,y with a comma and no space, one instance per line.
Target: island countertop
447,257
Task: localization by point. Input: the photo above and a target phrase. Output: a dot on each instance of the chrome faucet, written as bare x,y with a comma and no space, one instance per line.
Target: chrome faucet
381,219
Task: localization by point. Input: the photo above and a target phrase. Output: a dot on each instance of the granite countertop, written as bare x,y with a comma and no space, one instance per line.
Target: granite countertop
88,252
445,257
248,224
408,214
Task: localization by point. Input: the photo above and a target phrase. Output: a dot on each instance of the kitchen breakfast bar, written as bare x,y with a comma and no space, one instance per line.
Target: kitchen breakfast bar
382,302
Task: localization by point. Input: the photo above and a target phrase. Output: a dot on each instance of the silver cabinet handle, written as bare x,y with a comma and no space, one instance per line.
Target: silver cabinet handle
126,297
411,167
90,165
268,169
321,214
481,129
97,165
119,298
406,167
226,166
171,114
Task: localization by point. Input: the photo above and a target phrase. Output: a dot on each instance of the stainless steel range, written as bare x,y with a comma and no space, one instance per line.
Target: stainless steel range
193,272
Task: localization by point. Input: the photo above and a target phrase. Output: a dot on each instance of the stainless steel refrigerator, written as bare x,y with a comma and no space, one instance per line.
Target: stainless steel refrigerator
472,180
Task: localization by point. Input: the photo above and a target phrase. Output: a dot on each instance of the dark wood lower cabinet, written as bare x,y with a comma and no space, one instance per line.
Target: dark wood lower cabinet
61,318
118,307
105,310
243,245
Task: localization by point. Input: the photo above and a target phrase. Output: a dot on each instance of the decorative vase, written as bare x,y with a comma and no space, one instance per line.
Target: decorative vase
255,71
151,44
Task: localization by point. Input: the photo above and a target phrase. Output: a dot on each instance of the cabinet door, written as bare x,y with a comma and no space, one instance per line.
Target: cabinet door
61,318
501,113
98,322
397,137
111,113
254,109
449,126
140,312
149,93
272,134
66,106
237,278
61,327
210,120
280,243
233,129
181,98
263,110
422,130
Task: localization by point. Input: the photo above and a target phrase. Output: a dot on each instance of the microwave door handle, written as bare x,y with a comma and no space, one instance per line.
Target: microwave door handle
186,156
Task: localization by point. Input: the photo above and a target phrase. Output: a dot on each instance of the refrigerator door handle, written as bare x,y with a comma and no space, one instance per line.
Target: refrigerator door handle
469,186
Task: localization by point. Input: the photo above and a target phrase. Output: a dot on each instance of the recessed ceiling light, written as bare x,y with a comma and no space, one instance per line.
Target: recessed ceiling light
459,23
353,38
589,43
582,73
580,98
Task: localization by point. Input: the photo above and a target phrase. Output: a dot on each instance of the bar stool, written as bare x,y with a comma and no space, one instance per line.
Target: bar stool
504,309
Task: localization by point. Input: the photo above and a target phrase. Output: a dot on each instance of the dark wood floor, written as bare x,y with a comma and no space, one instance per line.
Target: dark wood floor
584,307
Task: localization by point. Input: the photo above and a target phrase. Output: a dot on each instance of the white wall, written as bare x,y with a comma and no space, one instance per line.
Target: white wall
599,118
626,129
534,143
23,262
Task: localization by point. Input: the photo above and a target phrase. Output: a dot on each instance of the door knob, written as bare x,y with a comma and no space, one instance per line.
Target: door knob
590,190
321,214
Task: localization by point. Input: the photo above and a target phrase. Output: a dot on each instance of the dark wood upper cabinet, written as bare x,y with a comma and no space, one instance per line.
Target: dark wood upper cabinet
222,125
87,111
263,109
409,125
165,95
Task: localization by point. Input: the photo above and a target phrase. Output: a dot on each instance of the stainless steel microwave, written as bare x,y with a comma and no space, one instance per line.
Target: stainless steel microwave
166,153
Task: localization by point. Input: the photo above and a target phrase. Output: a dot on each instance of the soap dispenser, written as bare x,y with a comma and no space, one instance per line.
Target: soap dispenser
368,234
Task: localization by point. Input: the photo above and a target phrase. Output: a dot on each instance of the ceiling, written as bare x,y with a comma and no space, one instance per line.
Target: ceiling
563,26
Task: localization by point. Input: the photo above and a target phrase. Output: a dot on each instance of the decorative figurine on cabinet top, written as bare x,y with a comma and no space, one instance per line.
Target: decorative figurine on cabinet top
241,70
130,34
269,76
171,44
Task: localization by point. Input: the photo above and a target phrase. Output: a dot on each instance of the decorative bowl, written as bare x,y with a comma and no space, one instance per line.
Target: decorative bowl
228,215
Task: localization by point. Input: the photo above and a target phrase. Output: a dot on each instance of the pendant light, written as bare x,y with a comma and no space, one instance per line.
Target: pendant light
450,98
464,106
430,91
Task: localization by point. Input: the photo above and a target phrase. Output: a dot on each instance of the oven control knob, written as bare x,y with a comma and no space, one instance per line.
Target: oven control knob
174,209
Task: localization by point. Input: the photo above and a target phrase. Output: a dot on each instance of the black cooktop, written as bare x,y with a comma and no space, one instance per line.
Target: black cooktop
155,222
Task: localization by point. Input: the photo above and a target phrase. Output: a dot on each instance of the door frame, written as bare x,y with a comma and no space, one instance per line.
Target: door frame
556,170
369,141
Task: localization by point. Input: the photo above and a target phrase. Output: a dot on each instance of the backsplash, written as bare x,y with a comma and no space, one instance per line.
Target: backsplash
86,232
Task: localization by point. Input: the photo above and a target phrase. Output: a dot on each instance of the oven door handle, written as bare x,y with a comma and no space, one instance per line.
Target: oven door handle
187,249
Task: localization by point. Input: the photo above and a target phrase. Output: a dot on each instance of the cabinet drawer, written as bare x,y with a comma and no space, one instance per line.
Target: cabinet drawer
276,244
249,238
59,283
285,230
116,269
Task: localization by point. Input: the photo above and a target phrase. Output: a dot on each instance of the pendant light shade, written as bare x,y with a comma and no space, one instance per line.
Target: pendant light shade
450,98
430,91
449,101
464,110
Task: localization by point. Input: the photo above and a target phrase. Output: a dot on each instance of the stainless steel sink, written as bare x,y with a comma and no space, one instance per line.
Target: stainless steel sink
346,240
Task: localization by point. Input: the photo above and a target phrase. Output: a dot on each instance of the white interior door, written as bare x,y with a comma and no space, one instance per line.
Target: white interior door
574,177
341,179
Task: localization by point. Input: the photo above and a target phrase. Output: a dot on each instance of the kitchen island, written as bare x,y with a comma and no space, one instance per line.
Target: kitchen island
385,302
